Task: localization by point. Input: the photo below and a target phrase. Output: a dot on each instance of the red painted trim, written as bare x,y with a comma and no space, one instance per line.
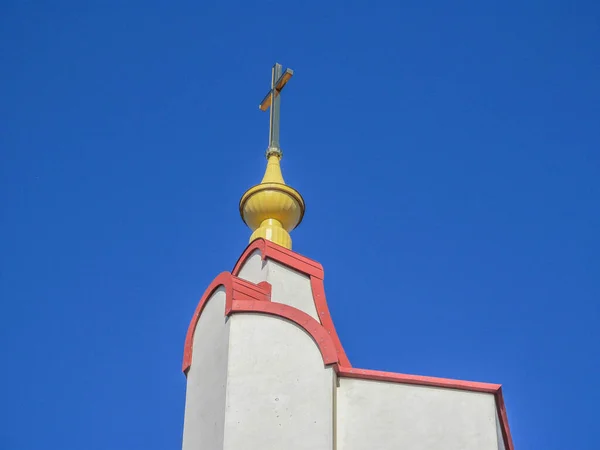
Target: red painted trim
245,289
282,255
244,296
235,289
266,287
300,318
318,292
503,417
294,260
308,267
223,279
257,244
495,389
417,379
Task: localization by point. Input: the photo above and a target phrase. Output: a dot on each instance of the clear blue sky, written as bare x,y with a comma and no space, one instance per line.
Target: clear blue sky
448,153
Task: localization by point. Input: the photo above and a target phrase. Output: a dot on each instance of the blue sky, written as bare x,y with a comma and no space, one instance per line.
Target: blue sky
447,153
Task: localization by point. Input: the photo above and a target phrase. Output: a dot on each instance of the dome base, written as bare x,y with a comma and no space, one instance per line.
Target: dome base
273,231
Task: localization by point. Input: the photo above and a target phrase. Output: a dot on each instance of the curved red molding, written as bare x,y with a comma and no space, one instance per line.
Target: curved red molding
223,279
307,266
235,289
243,296
318,291
300,318
257,244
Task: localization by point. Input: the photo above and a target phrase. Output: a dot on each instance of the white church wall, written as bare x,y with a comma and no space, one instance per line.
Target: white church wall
499,436
385,416
279,394
253,268
291,288
206,379
288,285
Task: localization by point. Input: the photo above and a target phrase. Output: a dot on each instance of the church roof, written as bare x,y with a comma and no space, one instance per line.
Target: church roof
244,296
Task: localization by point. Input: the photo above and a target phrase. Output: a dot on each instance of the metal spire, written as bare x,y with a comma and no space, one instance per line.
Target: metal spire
278,82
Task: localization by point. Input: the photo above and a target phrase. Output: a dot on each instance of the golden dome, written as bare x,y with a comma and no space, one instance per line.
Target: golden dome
272,209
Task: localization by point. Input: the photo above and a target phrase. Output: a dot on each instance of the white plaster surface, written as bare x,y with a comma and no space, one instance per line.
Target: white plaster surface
279,394
253,269
288,285
291,288
385,416
499,433
203,426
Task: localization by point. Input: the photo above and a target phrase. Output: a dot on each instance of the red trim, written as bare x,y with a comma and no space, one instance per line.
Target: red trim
318,292
282,255
308,267
257,244
223,279
266,287
300,318
244,296
503,417
417,379
235,289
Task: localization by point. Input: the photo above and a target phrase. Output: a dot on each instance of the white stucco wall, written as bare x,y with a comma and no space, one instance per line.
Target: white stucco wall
386,416
203,426
279,394
499,436
291,288
253,269
288,285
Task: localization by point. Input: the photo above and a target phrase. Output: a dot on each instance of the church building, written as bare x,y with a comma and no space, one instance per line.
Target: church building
266,369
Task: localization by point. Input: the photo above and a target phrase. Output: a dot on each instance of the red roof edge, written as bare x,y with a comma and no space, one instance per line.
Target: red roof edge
223,279
420,380
503,417
300,318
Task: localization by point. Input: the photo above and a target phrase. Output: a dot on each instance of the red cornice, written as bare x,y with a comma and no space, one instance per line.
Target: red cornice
417,379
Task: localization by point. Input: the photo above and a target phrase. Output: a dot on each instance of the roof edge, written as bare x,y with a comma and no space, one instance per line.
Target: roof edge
282,255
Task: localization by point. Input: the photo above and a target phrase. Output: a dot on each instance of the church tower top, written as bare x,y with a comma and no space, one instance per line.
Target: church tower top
272,209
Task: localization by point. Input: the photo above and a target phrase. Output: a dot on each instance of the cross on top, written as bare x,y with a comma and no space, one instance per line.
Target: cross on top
278,82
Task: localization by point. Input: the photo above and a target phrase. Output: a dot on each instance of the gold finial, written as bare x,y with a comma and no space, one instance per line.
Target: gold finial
272,209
